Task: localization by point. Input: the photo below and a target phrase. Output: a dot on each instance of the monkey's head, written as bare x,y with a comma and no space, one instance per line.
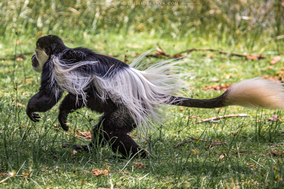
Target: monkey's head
45,47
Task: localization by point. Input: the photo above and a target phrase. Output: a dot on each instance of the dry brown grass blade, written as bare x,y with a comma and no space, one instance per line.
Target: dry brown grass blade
222,117
161,53
182,143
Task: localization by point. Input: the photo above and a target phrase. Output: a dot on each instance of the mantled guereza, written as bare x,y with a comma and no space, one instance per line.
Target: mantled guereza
127,97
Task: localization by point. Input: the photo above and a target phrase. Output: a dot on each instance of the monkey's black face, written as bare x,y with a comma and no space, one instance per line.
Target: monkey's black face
45,47
34,61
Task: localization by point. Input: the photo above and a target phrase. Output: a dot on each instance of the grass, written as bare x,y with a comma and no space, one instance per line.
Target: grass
31,154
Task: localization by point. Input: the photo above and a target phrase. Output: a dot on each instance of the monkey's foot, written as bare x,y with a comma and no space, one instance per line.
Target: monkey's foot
62,121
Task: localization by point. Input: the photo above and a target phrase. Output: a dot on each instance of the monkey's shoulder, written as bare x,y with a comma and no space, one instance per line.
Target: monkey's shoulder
103,65
84,54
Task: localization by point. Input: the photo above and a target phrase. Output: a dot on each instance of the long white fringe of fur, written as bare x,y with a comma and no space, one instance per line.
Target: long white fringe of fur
138,91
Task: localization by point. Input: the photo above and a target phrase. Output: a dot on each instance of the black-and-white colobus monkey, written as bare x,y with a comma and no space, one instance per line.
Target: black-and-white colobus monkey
127,97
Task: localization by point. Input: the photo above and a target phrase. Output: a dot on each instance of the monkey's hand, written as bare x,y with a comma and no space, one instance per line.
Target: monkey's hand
33,116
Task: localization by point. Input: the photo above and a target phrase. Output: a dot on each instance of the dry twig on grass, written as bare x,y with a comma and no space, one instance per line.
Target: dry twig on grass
161,53
212,144
222,117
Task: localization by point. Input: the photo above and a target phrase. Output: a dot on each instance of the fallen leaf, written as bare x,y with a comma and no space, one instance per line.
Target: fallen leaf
178,55
139,165
136,55
86,134
125,172
56,127
251,165
83,181
19,59
99,172
181,108
222,156
273,118
21,105
74,152
26,175
254,57
4,175
222,87
235,133
276,79
275,60
275,153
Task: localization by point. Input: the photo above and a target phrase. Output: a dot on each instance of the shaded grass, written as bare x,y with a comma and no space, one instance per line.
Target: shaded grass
34,151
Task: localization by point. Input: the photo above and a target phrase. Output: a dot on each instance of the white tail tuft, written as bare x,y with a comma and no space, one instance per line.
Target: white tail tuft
255,93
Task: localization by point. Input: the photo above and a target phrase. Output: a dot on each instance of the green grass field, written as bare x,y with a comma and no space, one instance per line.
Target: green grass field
237,152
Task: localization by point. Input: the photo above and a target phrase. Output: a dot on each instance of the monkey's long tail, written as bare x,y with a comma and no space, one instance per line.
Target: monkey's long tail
252,93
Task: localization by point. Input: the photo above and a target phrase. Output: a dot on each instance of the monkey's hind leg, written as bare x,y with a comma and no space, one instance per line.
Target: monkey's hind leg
112,129
116,125
120,141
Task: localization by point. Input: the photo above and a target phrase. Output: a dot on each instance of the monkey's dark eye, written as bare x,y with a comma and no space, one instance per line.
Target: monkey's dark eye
47,51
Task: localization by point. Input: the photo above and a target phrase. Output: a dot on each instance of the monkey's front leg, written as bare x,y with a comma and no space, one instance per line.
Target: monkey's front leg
67,106
40,102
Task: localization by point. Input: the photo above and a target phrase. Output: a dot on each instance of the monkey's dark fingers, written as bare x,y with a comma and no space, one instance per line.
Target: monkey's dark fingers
34,117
